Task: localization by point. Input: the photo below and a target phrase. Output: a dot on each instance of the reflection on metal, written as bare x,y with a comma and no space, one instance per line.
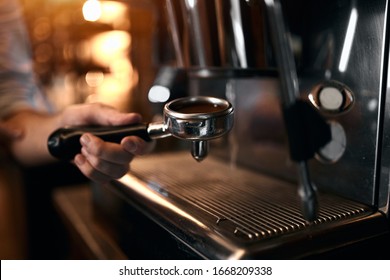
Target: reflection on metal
199,150
238,32
289,95
187,218
197,33
174,31
159,94
321,29
191,118
217,33
223,213
348,40
170,83
335,149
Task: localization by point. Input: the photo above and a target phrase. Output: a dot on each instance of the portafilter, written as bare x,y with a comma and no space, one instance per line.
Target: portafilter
196,119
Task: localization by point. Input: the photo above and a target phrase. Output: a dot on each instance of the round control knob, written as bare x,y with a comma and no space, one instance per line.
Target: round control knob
331,97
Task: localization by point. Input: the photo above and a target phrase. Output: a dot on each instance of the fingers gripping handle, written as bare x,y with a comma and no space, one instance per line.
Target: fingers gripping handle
64,143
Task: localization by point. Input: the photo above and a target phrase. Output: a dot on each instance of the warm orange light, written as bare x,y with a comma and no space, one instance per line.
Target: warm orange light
110,12
110,50
114,13
92,10
94,78
109,46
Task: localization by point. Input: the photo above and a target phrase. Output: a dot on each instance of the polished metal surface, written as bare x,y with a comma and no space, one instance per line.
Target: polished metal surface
158,130
335,149
213,118
199,150
384,152
345,41
219,33
221,212
204,124
283,53
242,201
196,119
289,94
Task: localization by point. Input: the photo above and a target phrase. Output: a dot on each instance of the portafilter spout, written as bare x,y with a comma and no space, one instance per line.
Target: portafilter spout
197,119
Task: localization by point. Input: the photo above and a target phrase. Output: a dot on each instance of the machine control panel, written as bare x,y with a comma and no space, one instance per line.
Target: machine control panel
331,97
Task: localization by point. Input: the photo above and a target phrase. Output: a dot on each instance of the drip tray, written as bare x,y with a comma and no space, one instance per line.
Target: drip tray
219,212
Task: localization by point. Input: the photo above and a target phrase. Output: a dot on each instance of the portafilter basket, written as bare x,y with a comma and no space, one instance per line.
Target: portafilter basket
197,119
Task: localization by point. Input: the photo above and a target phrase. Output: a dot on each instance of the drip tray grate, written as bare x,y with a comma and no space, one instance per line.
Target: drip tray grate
238,202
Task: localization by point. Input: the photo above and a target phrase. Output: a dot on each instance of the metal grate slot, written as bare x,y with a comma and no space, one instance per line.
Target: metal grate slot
247,205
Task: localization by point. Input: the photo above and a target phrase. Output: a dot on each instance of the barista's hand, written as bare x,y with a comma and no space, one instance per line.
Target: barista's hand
99,160
9,133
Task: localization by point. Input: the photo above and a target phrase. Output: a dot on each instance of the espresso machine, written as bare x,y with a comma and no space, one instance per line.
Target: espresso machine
303,173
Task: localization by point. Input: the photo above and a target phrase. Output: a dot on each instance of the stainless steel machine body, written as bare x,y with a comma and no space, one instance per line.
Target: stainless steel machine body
242,201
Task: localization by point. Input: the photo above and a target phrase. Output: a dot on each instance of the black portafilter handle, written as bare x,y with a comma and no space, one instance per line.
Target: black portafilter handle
64,143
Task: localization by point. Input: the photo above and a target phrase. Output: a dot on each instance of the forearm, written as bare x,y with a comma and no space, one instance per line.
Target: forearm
31,147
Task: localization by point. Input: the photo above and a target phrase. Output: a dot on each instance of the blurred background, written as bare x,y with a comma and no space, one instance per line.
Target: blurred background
89,51
84,51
